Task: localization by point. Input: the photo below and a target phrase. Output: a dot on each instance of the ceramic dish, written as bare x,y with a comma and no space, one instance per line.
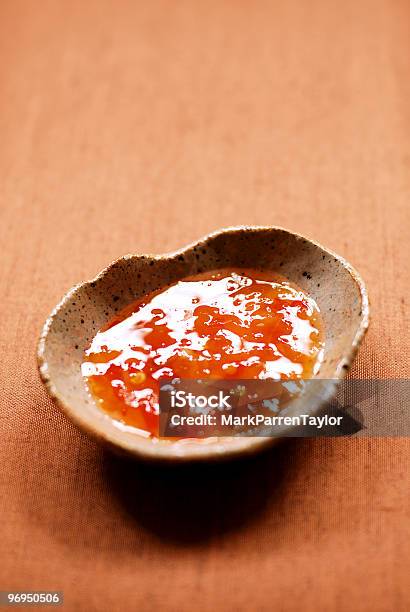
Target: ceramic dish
328,278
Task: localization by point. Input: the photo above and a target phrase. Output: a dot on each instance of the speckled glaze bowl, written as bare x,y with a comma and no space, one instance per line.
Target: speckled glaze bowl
329,279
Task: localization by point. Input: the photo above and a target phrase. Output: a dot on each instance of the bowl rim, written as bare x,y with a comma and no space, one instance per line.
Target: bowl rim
223,448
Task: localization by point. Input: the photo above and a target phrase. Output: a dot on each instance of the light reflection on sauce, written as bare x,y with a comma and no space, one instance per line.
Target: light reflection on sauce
229,324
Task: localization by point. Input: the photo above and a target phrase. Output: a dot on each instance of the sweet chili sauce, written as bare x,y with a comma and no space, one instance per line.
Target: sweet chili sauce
229,324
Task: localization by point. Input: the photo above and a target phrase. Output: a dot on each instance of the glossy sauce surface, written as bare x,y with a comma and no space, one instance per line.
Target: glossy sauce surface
230,324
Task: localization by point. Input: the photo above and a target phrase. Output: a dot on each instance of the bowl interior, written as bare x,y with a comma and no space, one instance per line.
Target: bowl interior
336,288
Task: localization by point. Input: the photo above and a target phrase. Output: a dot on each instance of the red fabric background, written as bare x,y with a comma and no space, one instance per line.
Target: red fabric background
138,127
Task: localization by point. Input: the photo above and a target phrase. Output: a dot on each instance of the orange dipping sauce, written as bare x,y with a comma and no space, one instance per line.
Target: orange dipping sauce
229,324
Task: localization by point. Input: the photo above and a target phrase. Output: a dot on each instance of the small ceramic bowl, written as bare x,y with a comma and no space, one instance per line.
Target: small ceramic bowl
337,288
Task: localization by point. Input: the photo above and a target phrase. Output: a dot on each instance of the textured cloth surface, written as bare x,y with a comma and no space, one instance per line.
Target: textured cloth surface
138,127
